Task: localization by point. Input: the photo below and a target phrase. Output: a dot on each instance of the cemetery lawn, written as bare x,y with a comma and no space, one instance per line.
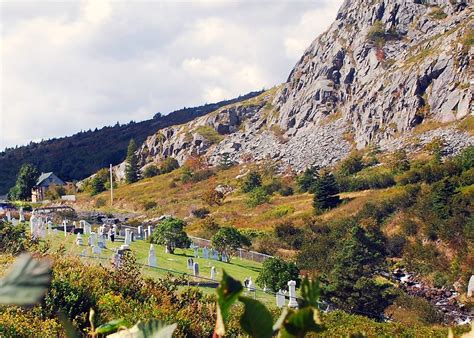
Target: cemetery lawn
176,263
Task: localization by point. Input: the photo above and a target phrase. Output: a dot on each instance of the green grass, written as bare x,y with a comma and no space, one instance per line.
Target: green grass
239,269
210,134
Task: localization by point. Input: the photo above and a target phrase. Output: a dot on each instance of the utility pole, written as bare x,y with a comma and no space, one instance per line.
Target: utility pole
111,187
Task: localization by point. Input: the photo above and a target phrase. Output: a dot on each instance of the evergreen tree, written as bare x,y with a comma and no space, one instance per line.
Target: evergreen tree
351,286
132,169
251,181
442,195
308,179
325,192
26,180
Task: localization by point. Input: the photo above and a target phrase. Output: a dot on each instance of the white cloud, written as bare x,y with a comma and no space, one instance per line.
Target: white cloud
68,66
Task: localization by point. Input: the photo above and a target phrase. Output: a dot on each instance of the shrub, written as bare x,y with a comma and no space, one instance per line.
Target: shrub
396,245
286,191
307,180
210,134
377,33
257,197
251,181
208,227
170,232
273,186
350,165
287,233
168,165
282,210
99,202
212,196
409,227
200,212
266,244
276,273
13,239
147,205
227,240
151,171
438,14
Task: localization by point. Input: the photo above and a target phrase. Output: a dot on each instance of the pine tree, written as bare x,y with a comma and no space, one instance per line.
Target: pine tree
26,180
325,192
442,195
351,286
308,179
132,169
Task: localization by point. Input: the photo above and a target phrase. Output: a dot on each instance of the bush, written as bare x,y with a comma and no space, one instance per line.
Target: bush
396,245
257,197
286,191
212,197
168,165
200,212
276,273
351,165
147,205
377,33
287,233
99,202
227,240
251,181
170,232
151,171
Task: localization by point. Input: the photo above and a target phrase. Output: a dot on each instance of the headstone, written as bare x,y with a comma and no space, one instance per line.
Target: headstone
470,287
128,239
250,285
55,231
150,231
101,242
151,256
213,273
65,228
9,216
145,234
280,299
79,239
140,232
205,253
74,224
292,289
166,249
196,269
125,247
224,258
92,239
116,259
42,229
96,250
14,221
50,227
196,252
215,256
87,228
190,263
21,215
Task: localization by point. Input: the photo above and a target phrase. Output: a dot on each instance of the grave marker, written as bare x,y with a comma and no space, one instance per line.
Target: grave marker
292,289
196,269
151,256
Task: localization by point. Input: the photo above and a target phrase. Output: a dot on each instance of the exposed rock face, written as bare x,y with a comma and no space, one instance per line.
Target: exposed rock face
382,68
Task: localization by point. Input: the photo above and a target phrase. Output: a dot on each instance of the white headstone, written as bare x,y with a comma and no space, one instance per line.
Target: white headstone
65,228
250,285
280,299
21,215
150,231
215,255
42,229
196,252
140,231
9,216
292,289
224,258
74,224
470,287
190,263
79,239
50,227
128,238
96,250
213,273
92,239
205,253
101,242
196,269
125,247
151,256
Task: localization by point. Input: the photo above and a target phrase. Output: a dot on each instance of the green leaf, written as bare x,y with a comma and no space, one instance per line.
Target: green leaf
27,281
298,323
111,326
152,329
256,320
280,320
310,292
227,293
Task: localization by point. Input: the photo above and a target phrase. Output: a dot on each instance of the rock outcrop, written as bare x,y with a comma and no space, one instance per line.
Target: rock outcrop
382,68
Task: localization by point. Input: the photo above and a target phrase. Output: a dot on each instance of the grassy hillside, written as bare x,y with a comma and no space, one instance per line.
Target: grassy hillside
80,155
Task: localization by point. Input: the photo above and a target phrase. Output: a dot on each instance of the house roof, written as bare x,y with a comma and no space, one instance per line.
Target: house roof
42,177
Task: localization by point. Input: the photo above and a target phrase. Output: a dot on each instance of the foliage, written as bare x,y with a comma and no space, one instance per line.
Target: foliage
308,179
398,162
132,168
377,33
13,239
286,232
25,181
325,191
148,205
257,197
210,134
350,284
168,165
276,273
212,196
351,165
251,181
170,232
228,240
225,162
200,212
99,181
151,171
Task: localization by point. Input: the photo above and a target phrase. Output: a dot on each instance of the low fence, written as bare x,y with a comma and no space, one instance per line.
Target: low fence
202,242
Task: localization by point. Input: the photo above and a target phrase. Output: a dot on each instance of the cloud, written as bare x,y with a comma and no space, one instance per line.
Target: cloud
70,66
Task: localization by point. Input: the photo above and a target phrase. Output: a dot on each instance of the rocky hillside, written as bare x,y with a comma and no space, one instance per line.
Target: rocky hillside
380,70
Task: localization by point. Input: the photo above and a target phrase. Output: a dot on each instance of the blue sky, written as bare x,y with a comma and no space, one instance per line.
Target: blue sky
68,66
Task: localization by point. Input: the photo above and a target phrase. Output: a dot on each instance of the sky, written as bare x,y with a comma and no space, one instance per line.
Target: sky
68,66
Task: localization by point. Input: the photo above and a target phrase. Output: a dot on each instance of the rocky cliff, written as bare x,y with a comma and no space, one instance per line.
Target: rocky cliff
382,68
